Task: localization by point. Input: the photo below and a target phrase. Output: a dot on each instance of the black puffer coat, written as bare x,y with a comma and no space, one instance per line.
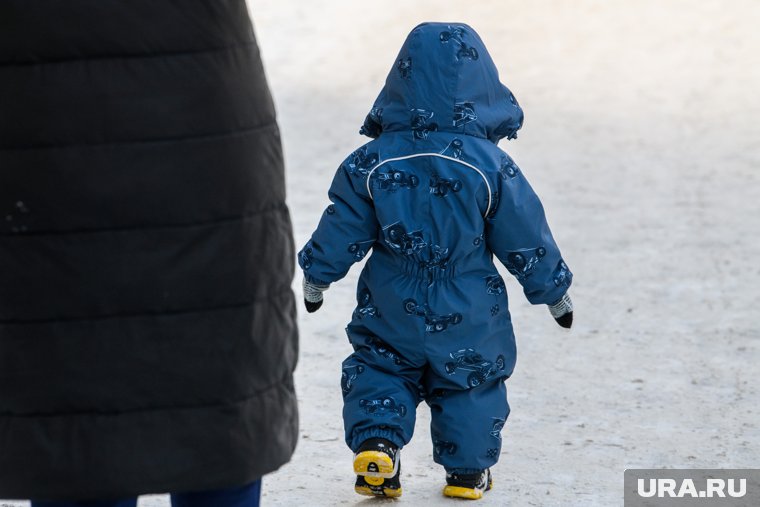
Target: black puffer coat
147,324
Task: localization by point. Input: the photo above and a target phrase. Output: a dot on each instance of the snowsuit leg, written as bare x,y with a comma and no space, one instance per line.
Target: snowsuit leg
472,443
380,393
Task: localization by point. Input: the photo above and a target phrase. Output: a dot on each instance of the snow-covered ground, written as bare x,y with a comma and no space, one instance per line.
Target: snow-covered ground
642,137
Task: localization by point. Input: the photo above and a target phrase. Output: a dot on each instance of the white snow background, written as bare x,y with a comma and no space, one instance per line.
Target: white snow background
642,137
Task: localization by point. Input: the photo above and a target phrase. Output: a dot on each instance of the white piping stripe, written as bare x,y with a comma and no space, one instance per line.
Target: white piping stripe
452,159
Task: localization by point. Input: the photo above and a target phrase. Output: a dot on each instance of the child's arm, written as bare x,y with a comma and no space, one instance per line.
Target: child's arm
345,234
518,234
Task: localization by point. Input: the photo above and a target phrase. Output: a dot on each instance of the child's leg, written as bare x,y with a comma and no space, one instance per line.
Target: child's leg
380,396
466,426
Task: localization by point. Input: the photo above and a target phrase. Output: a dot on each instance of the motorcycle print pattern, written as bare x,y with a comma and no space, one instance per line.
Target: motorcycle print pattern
421,123
478,369
365,308
434,323
495,286
457,35
360,162
349,376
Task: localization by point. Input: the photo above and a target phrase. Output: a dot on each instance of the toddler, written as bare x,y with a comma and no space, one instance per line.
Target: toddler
435,200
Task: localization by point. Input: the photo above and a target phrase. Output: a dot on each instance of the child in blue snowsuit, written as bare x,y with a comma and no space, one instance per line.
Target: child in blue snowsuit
434,199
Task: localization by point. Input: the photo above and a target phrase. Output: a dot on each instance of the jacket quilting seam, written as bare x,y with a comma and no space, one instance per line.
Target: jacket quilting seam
158,140
154,227
238,401
127,56
24,322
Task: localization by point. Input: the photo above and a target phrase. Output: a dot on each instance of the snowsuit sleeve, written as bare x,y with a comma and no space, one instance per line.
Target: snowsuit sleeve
518,234
345,233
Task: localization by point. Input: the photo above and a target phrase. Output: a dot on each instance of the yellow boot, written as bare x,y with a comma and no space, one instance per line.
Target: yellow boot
469,486
377,465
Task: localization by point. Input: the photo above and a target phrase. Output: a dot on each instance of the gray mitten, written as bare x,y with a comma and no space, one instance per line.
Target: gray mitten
562,311
312,295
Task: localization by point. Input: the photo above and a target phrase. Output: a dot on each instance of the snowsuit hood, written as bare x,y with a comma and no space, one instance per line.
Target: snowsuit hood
455,88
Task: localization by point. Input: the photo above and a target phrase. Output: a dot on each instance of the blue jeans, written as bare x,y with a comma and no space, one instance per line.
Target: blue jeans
244,496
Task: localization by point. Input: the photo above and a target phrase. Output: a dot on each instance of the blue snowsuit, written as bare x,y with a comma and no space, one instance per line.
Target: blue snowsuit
435,199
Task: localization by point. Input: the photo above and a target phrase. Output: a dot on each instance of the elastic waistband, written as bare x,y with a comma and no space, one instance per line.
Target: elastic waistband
430,273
